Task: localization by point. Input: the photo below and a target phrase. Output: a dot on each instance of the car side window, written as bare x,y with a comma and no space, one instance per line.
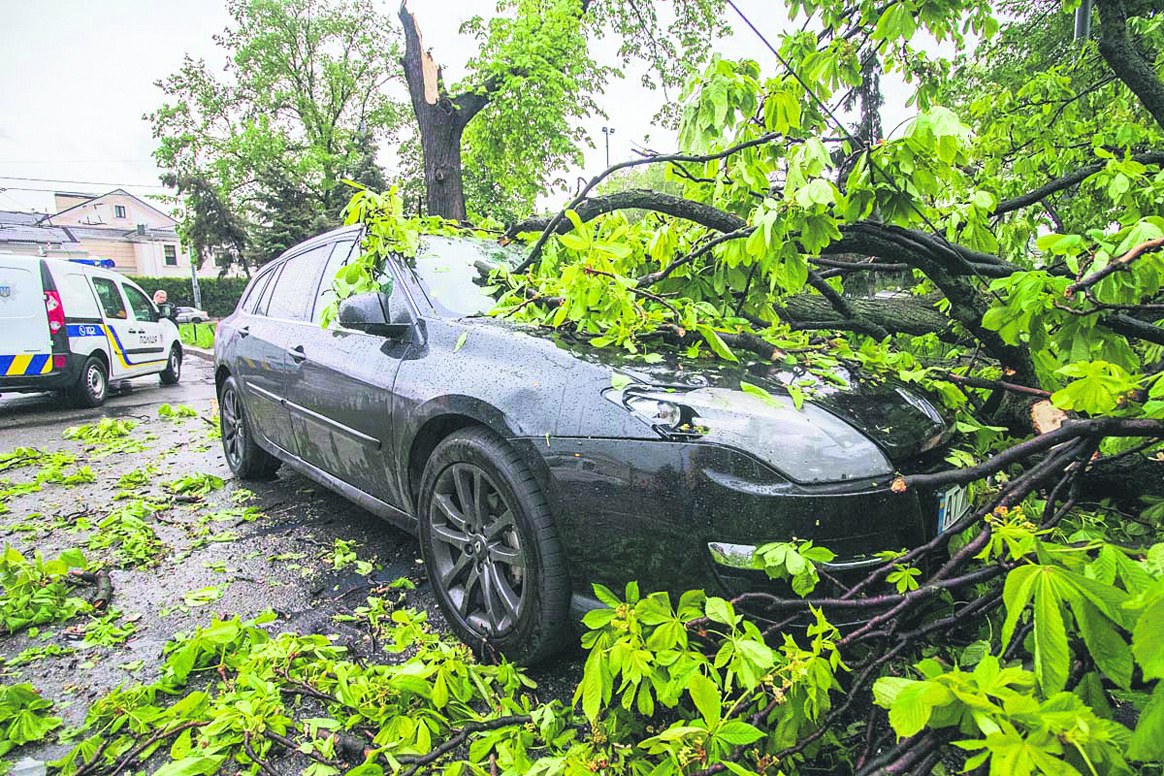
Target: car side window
294,288
143,310
250,302
265,297
340,255
111,301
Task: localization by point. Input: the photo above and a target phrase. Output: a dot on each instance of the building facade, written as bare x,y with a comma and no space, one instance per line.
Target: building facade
137,237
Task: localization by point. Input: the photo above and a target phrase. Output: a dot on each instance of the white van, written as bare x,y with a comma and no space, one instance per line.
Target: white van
72,327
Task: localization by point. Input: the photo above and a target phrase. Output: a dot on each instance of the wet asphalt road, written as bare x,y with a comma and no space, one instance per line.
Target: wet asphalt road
279,561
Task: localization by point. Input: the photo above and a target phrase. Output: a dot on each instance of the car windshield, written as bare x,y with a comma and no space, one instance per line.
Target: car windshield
455,272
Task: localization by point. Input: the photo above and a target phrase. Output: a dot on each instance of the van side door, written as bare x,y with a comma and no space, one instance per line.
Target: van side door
151,345
117,326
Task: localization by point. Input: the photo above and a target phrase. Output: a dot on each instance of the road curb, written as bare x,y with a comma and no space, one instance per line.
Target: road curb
202,353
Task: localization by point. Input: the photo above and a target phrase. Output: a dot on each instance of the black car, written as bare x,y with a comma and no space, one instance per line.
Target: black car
531,465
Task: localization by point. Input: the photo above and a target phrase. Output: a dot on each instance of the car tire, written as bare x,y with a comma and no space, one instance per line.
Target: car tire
476,554
195,320
245,458
173,371
92,386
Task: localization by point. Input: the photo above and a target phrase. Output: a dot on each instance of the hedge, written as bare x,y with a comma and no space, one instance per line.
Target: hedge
219,295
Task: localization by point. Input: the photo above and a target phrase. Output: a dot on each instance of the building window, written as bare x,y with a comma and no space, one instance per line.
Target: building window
171,256
119,211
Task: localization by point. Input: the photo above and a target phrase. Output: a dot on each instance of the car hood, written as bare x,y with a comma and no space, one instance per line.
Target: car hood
898,418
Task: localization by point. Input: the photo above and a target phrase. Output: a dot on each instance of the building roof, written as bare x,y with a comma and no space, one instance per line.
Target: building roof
18,218
35,234
48,219
119,234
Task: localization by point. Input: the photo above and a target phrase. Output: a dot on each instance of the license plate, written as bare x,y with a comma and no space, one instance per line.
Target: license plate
953,504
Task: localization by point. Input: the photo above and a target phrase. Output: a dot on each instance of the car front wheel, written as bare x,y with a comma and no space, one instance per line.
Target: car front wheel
491,548
246,459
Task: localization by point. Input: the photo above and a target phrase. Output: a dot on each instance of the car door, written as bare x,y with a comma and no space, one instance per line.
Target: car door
151,345
340,395
119,328
263,362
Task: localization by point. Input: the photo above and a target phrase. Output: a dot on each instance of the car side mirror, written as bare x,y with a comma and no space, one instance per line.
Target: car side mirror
166,310
375,313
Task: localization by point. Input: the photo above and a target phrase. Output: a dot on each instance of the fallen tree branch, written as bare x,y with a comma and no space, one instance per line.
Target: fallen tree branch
458,738
103,593
1122,263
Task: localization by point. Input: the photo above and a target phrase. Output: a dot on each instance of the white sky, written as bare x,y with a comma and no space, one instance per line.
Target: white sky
77,76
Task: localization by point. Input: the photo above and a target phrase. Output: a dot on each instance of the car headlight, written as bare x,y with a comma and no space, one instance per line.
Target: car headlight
809,444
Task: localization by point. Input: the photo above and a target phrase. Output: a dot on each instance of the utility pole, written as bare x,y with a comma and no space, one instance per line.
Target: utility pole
194,284
608,131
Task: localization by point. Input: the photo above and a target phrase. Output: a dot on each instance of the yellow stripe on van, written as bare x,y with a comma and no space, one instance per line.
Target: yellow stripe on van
19,365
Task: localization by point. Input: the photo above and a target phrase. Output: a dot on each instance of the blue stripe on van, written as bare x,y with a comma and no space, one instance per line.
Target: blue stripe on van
5,362
37,365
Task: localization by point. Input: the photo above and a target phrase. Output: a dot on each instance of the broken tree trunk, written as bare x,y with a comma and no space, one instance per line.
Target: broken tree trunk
441,120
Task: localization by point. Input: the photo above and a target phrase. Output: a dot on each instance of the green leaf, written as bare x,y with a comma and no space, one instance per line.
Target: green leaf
619,381
737,732
1148,640
1052,656
720,610
713,340
706,697
756,390
461,340
1148,739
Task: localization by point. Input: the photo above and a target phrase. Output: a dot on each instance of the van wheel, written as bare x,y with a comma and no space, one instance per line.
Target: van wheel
173,372
92,386
491,548
246,459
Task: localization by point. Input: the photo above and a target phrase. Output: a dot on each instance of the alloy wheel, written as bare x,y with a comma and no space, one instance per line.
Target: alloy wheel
175,363
233,430
480,563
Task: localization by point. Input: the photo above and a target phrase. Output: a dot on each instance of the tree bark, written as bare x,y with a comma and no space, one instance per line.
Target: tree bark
645,199
907,315
1115,44
441,121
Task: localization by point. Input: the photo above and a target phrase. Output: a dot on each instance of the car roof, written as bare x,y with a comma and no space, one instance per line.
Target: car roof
334,234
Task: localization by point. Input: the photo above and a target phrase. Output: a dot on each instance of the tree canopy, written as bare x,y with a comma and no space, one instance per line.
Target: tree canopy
300,106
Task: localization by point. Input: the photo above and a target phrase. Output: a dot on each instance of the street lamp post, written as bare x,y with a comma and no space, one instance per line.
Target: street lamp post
608,131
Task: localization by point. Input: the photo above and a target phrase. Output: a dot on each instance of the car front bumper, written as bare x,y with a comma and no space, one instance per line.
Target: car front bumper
683,515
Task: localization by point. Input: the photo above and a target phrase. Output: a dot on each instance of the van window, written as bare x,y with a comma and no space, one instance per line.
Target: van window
111,301
77,297
142,309
295,286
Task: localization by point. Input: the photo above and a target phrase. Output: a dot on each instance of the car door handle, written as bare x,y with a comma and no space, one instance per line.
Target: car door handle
298,354
244,332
